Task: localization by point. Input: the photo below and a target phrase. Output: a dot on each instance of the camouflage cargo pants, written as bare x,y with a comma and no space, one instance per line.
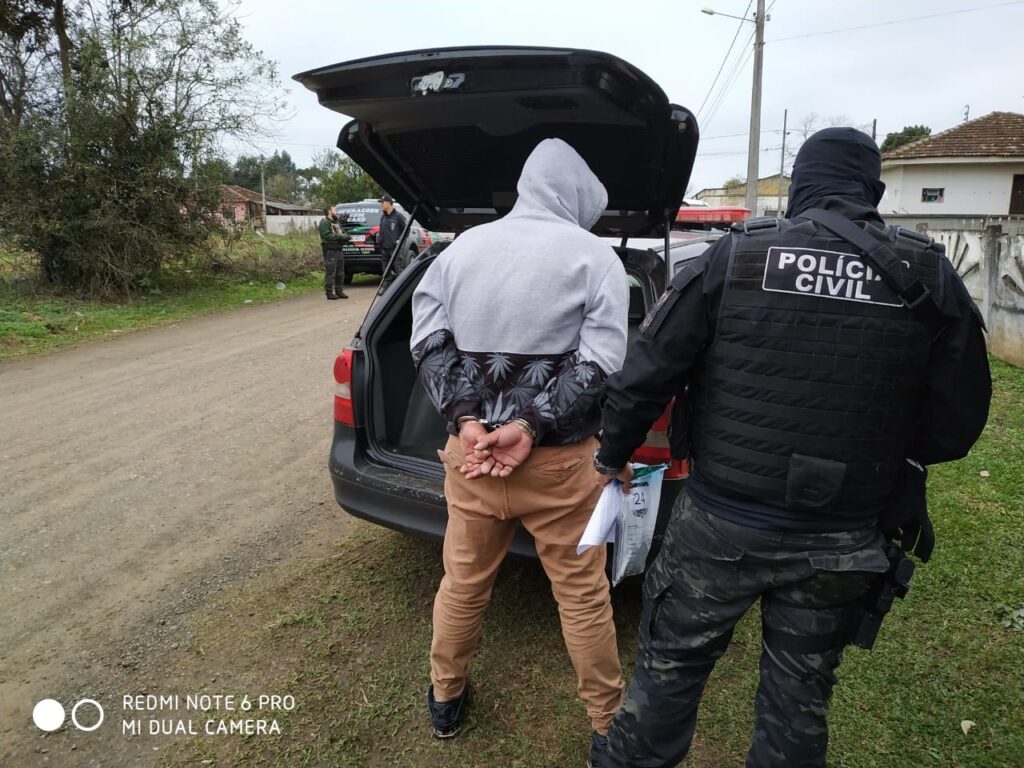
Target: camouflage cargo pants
334,270
708,574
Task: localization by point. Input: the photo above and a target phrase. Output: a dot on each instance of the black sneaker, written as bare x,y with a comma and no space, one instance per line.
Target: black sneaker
341,295
446,716
598,751
332,297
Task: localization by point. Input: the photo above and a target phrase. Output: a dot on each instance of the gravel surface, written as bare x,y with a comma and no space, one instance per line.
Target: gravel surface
143,476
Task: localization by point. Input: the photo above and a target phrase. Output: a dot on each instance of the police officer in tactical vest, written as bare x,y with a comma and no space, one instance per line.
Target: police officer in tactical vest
820,361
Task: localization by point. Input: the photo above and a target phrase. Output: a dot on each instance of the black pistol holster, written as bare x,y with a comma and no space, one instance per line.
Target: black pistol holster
878,600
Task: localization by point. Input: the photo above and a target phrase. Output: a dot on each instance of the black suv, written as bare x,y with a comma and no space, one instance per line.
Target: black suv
362,222
448,131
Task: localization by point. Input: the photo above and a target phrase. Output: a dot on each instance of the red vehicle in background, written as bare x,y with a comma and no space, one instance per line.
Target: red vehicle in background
692,216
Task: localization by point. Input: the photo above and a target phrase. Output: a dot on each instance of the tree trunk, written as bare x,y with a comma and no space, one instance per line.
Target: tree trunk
60,26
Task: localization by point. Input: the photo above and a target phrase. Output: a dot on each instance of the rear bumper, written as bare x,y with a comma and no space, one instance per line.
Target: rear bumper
414,503
398,499
370,263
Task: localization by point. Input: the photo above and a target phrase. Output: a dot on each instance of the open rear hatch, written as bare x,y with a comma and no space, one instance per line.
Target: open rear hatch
448,130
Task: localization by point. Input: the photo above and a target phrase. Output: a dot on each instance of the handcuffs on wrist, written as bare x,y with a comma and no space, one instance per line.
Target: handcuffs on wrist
523,424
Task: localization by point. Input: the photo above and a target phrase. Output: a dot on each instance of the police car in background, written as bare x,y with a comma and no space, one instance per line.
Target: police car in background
361,220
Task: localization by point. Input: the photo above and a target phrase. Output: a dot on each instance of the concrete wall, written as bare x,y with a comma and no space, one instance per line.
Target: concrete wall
1012,225
991,261
971,189
286,225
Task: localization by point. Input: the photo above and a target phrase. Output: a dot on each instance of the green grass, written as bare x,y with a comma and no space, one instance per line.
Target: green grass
355,629
33,324
34,319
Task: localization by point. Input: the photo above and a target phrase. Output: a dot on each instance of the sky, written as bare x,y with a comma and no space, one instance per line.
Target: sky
894,67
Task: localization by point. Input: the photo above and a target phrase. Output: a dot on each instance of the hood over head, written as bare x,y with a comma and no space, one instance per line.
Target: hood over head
556,180
836,162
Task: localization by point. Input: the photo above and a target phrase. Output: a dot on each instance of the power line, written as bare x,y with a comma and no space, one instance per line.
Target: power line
724,60
727,84
741,63
737,135
897,21
735,152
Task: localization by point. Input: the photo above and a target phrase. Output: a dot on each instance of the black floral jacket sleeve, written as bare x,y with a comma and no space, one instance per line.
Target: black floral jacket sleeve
451,388
568,407
558,395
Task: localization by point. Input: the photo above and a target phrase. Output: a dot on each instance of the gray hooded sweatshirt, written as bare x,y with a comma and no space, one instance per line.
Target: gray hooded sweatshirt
525,317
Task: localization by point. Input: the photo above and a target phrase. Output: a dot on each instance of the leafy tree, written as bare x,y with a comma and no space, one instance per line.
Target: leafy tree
280,164
246,172
215,170
908,134
283,186
247,168
110,117
335,178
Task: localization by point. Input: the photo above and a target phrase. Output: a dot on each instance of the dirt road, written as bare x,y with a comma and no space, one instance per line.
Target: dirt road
143,475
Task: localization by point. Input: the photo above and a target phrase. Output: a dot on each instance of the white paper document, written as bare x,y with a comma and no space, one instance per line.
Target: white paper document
601,528
627,520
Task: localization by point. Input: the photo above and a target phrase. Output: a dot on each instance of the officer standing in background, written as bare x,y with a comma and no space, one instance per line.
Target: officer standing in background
816,368
332,239
392,224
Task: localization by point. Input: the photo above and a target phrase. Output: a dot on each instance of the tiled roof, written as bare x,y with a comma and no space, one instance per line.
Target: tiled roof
233,192
997,134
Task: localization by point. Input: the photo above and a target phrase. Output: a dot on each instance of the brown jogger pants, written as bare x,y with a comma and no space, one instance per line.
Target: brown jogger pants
552,494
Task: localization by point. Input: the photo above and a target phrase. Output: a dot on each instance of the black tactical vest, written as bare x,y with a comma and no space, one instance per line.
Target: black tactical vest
808,392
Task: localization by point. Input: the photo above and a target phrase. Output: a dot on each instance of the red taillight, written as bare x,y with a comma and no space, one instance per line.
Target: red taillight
656,450
343,410
426,240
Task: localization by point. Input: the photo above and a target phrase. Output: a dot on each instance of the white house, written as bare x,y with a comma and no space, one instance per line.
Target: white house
974,169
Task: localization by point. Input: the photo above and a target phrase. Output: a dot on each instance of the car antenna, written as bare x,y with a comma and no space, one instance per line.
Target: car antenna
387,267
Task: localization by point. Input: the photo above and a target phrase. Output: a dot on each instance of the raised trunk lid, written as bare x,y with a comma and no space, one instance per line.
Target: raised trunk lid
451,128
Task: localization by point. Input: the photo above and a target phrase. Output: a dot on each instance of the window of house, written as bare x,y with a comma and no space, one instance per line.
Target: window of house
932,194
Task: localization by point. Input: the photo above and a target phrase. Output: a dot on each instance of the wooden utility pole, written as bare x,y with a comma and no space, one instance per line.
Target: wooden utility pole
782,164
755,111
263,194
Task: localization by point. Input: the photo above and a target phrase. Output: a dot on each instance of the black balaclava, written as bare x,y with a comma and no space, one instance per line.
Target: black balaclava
839,162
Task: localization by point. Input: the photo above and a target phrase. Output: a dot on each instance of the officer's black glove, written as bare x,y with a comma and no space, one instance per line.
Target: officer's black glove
905,519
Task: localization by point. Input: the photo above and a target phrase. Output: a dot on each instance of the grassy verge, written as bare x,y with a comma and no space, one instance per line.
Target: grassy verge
354,633
34,319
